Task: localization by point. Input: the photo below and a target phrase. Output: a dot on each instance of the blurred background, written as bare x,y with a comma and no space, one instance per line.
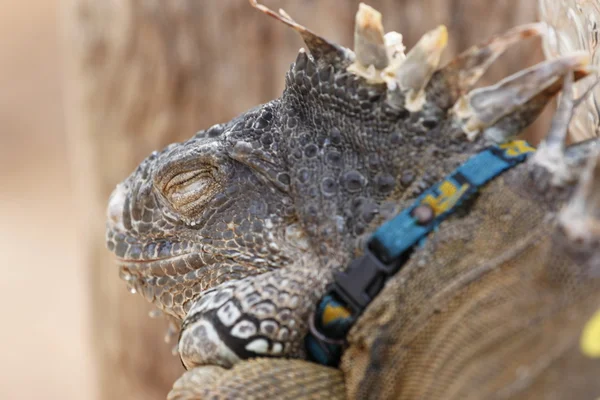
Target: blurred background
89,88
45,340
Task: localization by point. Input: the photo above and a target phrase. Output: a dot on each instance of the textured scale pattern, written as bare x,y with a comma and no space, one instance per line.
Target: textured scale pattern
236,232
524,297
251,317
261,379
575,25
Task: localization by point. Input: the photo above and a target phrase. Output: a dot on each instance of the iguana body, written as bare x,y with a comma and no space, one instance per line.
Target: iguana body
237,231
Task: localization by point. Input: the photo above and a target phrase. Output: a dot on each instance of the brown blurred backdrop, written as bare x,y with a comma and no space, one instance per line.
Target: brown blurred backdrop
137,75
44,342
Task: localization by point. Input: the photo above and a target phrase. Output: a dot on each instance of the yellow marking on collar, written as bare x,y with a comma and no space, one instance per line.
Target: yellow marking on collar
590,338
332,313
516,148
448,197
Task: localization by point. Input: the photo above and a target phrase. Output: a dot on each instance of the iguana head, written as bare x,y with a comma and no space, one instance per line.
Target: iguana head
354,136
195,215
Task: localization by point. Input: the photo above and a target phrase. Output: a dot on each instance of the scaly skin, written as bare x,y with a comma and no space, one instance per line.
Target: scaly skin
237,231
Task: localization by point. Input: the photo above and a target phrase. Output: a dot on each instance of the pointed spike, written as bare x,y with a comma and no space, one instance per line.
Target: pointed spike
325,74
580,219
416,70
395,47
510,125
483,107
461,74
514,91
557,135
331,79
550,156
301,61
584,124
311,68
369,42
557,164
284,14
321,49
588,91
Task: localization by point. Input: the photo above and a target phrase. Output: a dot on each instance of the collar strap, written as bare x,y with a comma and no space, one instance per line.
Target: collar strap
391,245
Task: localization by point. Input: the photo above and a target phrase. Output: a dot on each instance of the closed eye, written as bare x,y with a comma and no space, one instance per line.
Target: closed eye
189,191
182,179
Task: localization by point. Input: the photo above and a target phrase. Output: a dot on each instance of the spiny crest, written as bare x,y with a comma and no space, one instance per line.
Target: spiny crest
321,49
572,26
551,156
580,219
410,82
370,44
555,164
464,71
483,108
380,57
413,80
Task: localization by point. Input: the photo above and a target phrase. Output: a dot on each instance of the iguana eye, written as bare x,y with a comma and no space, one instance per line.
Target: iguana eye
189,191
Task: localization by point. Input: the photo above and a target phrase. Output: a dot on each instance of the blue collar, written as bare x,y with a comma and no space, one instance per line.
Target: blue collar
392,244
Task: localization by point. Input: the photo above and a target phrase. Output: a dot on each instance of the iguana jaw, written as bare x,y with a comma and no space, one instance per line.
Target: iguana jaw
172,274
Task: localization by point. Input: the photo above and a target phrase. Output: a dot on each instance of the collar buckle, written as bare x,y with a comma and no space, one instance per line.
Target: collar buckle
364,278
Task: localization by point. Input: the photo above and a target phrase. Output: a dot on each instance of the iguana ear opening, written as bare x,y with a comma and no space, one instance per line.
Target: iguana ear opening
323,51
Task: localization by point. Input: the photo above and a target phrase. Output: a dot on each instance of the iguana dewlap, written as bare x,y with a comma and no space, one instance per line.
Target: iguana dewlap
237,232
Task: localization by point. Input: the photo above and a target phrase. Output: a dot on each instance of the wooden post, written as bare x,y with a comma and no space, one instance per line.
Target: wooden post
142,74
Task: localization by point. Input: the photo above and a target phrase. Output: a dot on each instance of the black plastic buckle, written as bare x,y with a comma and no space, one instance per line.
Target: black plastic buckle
355,287
364,278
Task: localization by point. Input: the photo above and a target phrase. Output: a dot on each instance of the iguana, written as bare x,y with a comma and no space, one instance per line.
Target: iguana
238,231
